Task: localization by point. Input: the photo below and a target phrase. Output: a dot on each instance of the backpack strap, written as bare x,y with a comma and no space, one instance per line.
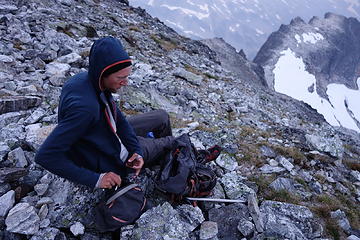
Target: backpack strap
121,192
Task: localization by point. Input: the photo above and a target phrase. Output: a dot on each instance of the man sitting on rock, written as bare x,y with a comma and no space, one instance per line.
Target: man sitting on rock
93,143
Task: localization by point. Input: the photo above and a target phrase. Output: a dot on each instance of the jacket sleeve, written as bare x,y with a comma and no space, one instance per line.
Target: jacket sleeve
53,153
127,134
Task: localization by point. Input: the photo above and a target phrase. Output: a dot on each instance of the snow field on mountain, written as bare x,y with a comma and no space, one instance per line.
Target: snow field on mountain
292,79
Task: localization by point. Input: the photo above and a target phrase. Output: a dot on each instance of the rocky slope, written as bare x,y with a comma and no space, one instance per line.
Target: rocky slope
297,176
235,61
326,51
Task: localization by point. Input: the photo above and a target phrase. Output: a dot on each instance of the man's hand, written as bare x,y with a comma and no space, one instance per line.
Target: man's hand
110,180
135,162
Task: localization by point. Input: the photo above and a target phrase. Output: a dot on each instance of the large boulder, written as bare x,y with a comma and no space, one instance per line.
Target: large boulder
23,219
332,145
165,222
17,103
284,220
234,186
74,203
228,218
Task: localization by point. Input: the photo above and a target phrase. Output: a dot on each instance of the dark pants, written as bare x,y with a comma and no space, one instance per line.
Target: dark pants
158,122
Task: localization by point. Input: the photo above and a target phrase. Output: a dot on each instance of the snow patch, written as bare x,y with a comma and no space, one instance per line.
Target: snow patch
312,37
298,38
292,79
344,99
259,31
189,12
278,17
175,24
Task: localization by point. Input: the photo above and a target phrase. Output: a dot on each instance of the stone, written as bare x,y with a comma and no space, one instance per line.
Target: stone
316,186
267,169
141,71
11,174
6,59
41,188
192,216
285,163
56,72
228,218
46,234
6,202
77,229
126,233
267,152
74,203
273,163
353,237
288,184
342,220
169,224
27,90
4,149
44,200
17,103
69,58
11,117
284,220
255,212
208,230
36,135
333,145
45,223
355,174
17,156
234,188
341,188
8,8
10,86
4,188
43,212
22,219
188,76
227,162
246,227
35,116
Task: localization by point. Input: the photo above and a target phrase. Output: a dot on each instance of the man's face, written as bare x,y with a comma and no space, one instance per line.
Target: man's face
116,80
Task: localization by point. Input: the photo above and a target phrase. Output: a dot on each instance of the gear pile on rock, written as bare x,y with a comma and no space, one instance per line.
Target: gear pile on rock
298,176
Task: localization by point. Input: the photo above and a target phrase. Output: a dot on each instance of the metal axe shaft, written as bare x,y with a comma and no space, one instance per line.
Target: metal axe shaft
216,200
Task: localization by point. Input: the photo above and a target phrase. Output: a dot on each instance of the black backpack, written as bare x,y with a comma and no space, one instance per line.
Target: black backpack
183,172
119,208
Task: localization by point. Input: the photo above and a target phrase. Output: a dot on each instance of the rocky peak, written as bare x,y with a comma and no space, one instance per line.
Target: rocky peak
297,21
326,48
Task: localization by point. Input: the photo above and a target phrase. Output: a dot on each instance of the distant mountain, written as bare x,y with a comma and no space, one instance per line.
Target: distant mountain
245,24
319,63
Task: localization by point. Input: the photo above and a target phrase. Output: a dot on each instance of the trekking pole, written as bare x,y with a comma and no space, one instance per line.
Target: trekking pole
216,200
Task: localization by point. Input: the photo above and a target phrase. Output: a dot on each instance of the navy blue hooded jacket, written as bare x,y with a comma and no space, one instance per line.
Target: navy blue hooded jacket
83,144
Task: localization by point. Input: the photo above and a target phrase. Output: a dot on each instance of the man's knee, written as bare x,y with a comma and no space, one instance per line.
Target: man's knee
163,116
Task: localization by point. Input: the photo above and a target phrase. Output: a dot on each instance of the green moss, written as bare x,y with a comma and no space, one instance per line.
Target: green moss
165,44
282,196
291,152
353,164
208,75
134,28
251,154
